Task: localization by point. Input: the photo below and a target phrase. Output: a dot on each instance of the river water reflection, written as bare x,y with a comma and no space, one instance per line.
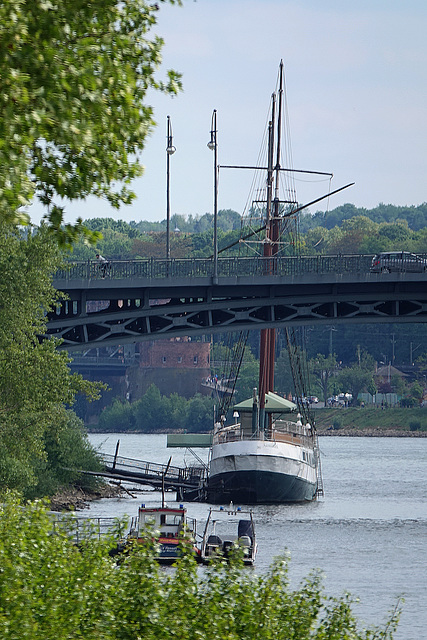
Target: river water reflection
368,535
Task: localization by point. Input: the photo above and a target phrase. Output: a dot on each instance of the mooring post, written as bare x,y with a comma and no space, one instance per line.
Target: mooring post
115,455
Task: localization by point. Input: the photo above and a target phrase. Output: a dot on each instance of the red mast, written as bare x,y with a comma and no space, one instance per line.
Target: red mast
272,229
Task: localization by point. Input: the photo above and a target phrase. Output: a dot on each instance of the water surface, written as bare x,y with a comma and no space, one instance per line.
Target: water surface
368,534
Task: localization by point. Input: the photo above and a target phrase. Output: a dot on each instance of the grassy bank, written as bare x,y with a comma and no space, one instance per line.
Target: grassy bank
370,418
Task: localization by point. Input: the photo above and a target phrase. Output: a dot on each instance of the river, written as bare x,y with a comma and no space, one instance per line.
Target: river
368,534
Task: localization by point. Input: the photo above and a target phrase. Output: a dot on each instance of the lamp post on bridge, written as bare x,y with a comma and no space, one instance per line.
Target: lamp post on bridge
170,150
213,146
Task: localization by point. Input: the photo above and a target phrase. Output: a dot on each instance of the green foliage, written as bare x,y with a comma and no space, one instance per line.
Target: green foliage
155,412
35,380
322,370
67,450
351,230
363,232
74,77
354,380
415,216
52,590
119,416
373,418
283,379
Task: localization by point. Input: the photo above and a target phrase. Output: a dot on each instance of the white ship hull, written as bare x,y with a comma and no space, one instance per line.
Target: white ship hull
259,471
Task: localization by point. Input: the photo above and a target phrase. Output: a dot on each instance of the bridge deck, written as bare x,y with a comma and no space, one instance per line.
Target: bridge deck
153,299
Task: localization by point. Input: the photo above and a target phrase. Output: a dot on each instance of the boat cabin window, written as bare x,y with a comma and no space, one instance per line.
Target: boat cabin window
169,519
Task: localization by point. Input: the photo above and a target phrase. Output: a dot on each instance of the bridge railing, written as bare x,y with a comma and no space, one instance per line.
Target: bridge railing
150,268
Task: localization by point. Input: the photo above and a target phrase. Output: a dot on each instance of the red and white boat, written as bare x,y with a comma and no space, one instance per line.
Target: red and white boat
170,525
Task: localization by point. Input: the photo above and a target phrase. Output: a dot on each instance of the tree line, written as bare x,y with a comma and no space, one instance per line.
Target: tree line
346,230
327,378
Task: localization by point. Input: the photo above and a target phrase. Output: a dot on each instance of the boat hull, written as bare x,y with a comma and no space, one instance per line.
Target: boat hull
261,472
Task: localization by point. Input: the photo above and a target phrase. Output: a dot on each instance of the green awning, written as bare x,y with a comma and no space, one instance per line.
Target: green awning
193,440
273,404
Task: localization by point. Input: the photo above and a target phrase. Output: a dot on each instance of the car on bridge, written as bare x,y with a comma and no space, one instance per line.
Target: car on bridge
389,261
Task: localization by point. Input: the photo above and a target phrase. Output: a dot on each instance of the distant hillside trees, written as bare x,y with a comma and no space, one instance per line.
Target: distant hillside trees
361,235
155,412
346,229
415,216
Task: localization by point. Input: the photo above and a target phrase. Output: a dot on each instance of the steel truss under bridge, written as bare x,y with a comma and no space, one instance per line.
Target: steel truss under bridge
133,309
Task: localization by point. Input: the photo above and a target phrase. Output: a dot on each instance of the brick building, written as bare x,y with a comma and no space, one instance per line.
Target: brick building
174,365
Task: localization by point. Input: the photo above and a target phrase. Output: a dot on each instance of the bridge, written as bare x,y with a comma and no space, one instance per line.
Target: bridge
150,299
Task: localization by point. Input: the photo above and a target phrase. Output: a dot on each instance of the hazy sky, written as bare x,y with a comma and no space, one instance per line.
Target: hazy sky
356,79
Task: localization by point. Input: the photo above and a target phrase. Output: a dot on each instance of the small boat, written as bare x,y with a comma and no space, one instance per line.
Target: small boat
170,524
222,533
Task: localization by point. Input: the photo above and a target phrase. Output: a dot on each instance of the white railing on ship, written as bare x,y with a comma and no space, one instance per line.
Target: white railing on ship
235,432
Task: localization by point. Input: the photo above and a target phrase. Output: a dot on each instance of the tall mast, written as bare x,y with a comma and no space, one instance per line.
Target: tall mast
275,222
267,335
272,233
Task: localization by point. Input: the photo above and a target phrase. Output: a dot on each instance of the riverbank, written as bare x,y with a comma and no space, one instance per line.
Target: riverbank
375,432
76,499
351,421
372,422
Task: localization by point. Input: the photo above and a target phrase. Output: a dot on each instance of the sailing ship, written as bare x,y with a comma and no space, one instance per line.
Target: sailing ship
268,457
273,461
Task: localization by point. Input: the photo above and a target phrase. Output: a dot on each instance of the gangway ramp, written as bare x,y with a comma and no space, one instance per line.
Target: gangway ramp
180,479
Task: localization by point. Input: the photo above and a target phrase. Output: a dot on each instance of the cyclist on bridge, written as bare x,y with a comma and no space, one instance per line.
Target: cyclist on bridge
102,264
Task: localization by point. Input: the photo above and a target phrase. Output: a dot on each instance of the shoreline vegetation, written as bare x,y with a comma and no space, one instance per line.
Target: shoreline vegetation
372,422
54,589
350,421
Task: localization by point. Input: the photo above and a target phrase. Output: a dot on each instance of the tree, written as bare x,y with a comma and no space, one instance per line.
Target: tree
74,77
147,410
119,416
323,368
355,380
200,414
35,380
283,379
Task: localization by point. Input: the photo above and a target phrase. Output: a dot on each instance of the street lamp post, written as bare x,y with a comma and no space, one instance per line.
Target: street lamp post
213,145
170,150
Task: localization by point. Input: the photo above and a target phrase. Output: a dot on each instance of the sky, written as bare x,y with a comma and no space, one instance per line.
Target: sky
356,85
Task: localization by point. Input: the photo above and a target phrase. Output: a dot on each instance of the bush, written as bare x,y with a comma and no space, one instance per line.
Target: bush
408,402
52,590
68,450
414,425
